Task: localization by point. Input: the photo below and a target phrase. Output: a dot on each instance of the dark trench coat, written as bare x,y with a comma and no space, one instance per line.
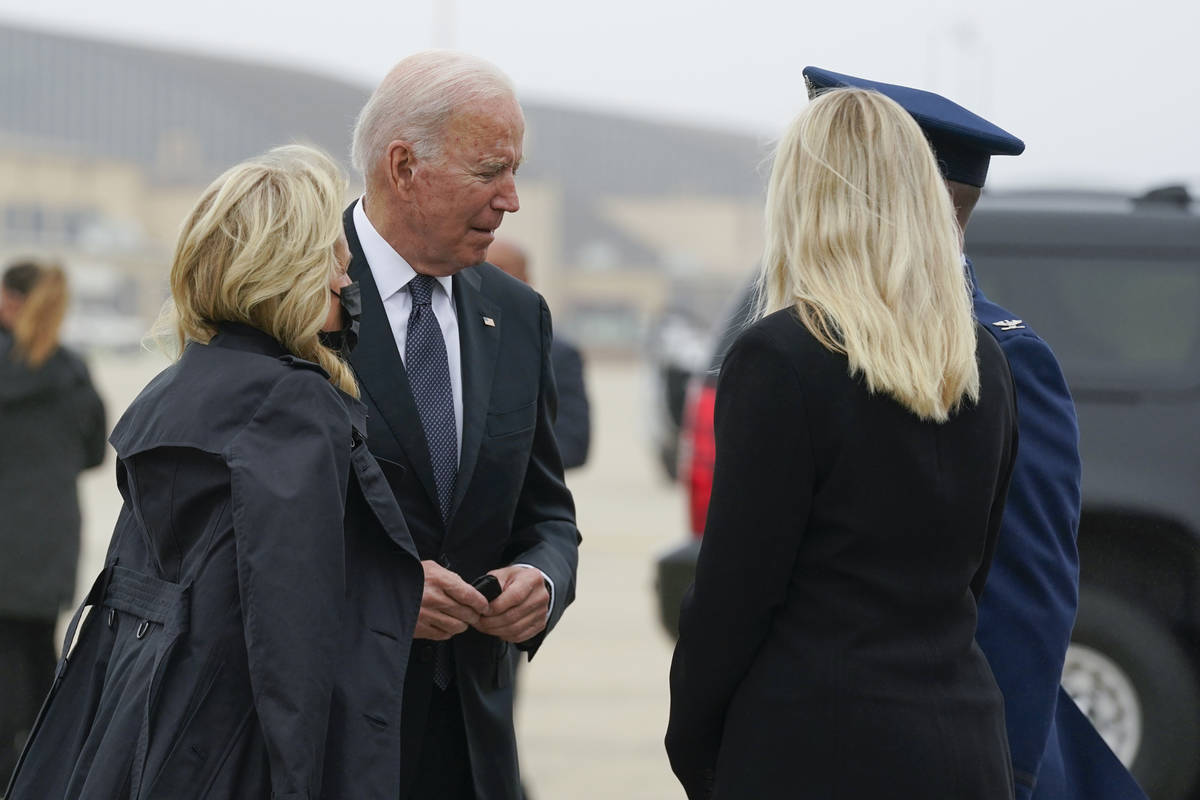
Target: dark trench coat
239,645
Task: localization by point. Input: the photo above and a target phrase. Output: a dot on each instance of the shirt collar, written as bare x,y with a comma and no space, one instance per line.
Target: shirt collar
390,270
972,281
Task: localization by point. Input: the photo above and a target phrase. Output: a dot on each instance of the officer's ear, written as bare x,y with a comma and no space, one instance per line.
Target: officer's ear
964,197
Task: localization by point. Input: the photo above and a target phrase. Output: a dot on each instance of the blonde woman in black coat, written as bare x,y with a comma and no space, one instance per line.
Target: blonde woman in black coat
249,635
865,437
52,428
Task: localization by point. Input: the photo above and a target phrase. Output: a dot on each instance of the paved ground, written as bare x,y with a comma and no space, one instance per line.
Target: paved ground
594,702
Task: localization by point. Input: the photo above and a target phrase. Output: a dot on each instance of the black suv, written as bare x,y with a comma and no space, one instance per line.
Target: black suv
1113,284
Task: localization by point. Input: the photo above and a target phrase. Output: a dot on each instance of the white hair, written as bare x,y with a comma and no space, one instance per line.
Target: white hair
417,98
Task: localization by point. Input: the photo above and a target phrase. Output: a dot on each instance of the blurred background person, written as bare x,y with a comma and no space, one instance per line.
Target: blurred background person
52,427
865,436
251,627
573,426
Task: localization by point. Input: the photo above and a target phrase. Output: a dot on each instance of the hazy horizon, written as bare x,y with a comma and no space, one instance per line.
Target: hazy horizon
1097,109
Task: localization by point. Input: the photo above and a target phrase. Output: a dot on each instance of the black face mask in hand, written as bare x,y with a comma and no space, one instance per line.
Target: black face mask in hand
343,340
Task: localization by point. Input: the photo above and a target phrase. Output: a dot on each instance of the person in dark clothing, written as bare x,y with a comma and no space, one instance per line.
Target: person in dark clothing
1026,618
573,425
249,634
52,427
866,434
454,362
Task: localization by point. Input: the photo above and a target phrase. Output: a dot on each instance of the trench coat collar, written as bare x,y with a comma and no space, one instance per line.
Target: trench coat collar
247,338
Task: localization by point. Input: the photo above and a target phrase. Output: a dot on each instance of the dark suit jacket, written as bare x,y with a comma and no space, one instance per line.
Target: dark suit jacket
510,503
827,649
573,427
1025,620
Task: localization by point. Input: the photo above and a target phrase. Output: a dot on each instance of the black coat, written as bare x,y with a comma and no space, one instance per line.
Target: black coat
827,647
573,424
249,633
510,503
51,428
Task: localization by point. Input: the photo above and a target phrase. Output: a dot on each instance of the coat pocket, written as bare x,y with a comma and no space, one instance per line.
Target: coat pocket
518,420
210,727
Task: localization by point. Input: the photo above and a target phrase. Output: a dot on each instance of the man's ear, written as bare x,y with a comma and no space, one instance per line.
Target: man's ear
964,197
401,166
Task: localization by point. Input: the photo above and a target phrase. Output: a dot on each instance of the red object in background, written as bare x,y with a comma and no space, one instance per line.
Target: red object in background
698,450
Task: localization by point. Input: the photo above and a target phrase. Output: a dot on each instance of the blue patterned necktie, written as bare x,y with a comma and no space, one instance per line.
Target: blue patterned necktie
429,375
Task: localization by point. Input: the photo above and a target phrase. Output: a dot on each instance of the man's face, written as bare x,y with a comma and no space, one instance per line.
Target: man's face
460,199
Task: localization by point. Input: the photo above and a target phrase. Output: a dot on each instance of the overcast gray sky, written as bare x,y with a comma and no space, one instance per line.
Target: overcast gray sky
1103,93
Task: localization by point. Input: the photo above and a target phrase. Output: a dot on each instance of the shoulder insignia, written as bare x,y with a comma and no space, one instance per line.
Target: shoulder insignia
300,363
1009,324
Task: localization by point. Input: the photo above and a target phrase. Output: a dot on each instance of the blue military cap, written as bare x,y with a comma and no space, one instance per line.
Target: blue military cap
964,142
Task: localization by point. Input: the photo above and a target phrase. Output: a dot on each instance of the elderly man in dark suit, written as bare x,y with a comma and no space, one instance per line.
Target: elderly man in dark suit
454,362
1028,610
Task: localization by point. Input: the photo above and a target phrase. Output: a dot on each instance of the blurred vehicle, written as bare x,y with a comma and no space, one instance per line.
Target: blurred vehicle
103,314
678,345
677,349
1113,284
114,332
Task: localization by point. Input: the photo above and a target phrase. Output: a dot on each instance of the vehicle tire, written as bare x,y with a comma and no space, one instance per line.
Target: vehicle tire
1127,672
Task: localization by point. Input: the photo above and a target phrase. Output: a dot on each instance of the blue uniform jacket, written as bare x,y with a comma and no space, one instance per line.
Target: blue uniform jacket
1028,609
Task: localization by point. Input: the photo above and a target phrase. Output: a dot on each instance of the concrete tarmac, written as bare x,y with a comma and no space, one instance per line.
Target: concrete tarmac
593,703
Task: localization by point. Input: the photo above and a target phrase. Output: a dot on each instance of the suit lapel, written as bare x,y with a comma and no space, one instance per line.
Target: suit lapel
479,343
380,370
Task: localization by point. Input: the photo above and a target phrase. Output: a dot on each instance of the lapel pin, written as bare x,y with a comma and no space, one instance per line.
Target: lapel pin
1010,324
491,323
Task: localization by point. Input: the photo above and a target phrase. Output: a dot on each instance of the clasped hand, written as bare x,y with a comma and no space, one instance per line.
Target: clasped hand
450,605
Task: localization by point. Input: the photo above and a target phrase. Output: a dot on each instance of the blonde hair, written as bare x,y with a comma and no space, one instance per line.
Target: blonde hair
861,240
44,290
258,248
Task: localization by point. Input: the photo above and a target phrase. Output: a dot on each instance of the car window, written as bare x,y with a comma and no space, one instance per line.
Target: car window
1113,323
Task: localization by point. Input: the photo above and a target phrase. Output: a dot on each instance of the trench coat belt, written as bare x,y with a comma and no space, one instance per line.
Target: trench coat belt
148,599
144,597
92,598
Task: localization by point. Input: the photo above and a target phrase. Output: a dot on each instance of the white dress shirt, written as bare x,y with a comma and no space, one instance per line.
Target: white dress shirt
392,274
